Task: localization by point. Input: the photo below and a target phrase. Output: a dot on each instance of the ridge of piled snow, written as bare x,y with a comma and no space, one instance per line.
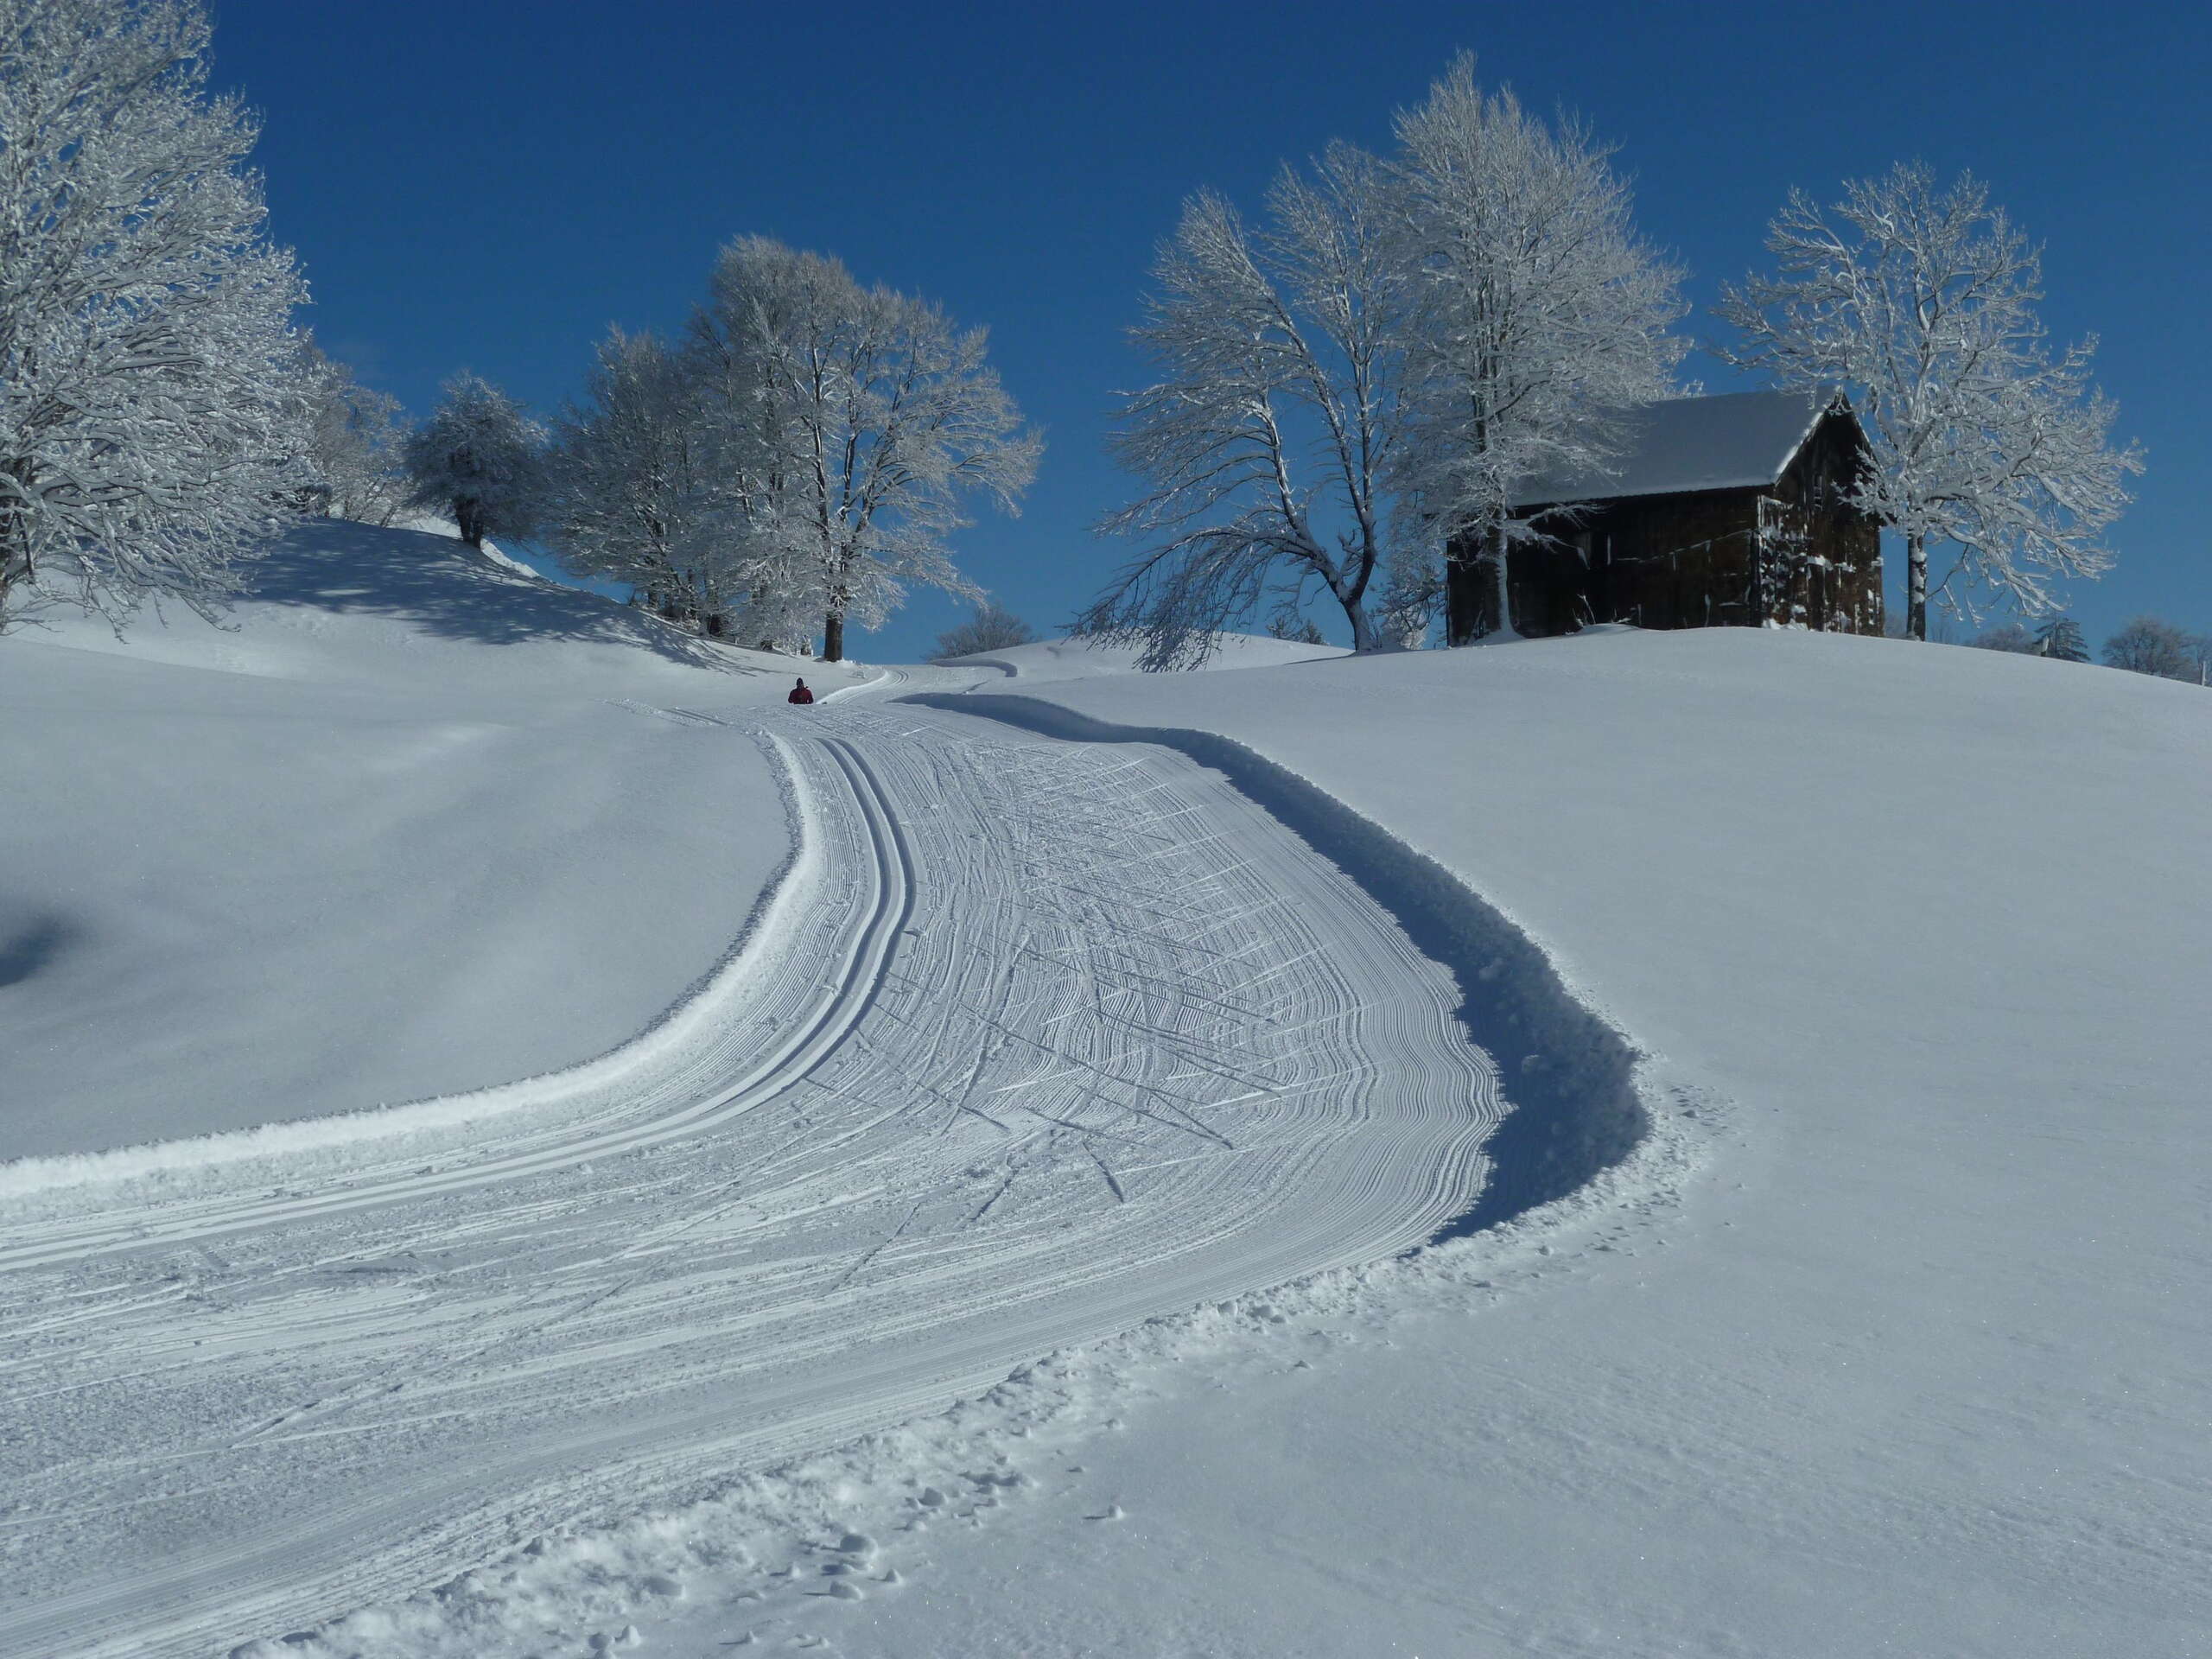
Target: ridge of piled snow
1076,659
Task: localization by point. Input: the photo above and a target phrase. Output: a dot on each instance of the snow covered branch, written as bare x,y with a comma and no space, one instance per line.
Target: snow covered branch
153,414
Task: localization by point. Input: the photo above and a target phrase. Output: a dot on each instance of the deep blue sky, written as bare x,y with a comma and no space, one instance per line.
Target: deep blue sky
489,184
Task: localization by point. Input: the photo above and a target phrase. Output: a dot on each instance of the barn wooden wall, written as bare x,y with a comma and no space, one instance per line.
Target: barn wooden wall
1796,555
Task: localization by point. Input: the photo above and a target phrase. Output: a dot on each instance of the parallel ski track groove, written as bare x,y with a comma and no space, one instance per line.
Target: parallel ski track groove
870,954
1099,1041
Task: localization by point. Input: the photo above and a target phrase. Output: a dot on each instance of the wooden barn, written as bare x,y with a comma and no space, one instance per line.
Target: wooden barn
1732,511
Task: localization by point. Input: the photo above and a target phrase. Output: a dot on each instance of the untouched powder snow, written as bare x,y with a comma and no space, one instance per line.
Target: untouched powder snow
410,825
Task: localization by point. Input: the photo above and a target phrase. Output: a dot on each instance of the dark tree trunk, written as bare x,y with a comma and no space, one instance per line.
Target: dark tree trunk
468,516
833,639
1466,588
1475,599
1363,637
1915,594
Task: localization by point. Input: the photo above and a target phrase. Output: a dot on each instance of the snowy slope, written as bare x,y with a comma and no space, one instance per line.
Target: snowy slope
393,833
1917,1361
1885,1337
1036,1043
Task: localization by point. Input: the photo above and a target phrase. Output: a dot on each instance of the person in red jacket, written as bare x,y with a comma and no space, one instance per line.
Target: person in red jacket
800,694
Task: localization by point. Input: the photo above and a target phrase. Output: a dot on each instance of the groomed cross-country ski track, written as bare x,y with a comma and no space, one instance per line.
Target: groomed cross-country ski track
1035,1040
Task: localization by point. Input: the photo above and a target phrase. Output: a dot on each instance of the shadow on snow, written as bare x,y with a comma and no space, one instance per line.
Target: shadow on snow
447,589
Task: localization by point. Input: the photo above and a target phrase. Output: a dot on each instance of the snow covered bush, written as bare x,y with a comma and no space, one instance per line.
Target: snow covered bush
2150,644
481,459
992,628
2006,636
152,416
353,439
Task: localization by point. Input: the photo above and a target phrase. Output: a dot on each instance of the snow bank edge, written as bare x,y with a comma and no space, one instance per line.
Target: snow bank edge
293,1148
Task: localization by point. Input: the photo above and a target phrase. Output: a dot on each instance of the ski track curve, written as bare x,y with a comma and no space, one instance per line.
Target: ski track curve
1057,1036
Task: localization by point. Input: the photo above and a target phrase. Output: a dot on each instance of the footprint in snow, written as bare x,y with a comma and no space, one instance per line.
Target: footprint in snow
1112,1512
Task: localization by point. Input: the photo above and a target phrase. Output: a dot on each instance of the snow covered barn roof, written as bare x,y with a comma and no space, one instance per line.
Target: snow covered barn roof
1740,440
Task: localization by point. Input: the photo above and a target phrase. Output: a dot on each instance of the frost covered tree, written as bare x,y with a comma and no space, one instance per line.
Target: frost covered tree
2060,637
353,440
631,494
152,416
1539,317
733,354
479,458
1921,302
861,421
2006,636
992,628
1359,385
1267,444
2150,644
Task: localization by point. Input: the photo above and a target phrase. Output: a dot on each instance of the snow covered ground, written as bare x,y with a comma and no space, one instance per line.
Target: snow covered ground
1871,1321
1032,1042
1898,1344
362,847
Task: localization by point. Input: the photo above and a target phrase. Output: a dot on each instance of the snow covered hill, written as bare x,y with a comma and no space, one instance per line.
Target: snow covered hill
1892,1339
409,825
1885,1336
